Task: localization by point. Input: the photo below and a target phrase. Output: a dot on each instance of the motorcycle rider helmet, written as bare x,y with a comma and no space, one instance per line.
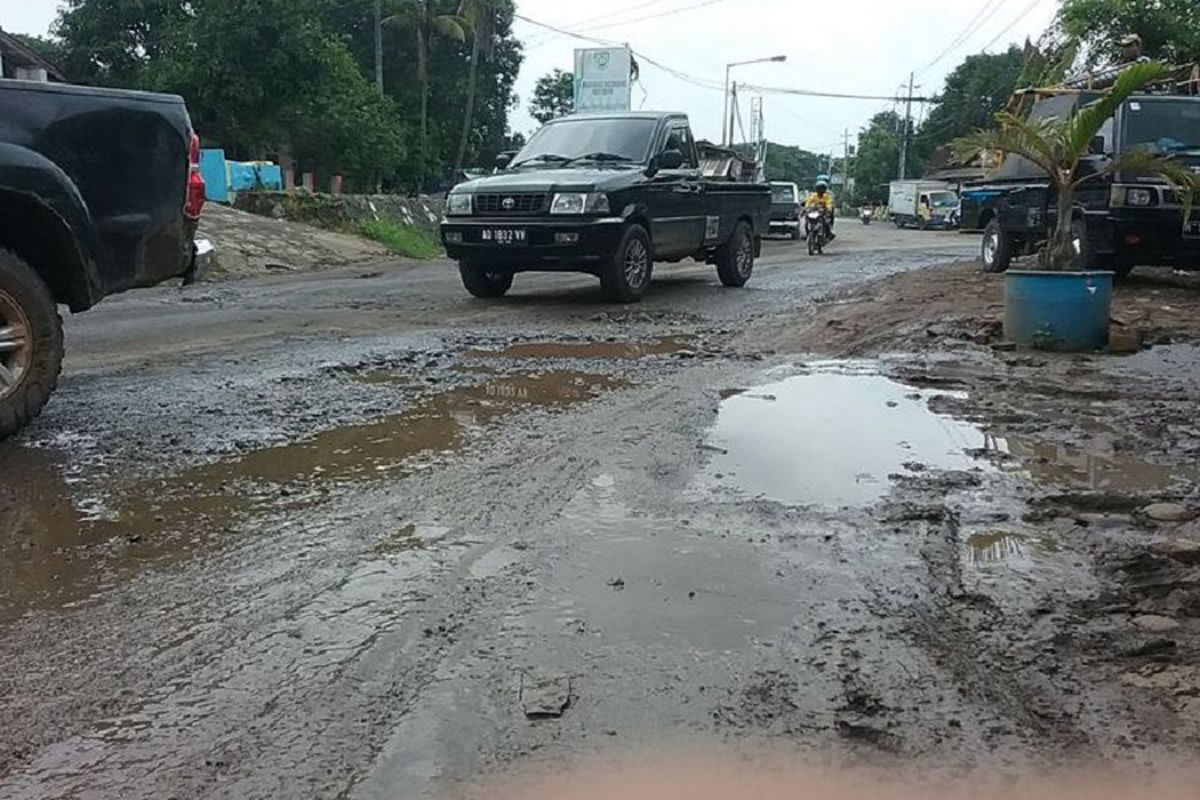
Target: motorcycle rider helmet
822,186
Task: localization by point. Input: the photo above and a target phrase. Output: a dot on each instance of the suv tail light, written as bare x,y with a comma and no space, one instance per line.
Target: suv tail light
195,187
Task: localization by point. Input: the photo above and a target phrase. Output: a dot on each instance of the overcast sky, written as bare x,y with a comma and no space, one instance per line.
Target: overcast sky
864,47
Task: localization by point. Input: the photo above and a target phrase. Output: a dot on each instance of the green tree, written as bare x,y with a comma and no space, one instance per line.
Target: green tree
975,91
1170,29
427,20
305,91
793,165
480,16
116,42
553,96
878,160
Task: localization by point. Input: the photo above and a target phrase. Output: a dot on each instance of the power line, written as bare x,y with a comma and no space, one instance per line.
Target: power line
972,27
667,13
610,14
1025,13
835,95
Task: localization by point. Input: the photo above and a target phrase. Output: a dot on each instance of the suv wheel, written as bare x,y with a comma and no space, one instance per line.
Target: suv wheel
31,344
484,281
735,258
627,275
996,250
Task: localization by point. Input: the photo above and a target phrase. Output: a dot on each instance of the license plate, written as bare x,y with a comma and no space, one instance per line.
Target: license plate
506,236
1191,229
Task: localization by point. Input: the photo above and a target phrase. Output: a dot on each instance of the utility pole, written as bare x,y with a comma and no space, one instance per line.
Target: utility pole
733,112
907,127
846,164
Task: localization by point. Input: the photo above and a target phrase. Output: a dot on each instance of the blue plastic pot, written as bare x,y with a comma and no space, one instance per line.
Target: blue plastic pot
1065,311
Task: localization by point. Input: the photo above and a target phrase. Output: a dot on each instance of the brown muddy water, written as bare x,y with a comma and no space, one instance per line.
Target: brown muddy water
833,437
54,542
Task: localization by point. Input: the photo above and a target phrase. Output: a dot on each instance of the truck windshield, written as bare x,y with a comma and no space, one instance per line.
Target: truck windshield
568,140
1167,125
944,199
783,194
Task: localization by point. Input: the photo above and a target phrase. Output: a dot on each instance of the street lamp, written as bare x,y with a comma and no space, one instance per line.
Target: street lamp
727,118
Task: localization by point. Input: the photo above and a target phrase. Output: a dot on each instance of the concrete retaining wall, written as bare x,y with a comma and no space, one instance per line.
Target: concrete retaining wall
337,212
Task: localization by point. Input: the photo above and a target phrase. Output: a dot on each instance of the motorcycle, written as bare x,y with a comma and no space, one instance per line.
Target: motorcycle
814,231
867,215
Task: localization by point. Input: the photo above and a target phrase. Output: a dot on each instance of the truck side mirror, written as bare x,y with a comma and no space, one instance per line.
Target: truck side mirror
670,159
1096,146
504,159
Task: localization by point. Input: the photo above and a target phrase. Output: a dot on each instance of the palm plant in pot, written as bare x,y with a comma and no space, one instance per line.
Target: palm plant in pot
1064,304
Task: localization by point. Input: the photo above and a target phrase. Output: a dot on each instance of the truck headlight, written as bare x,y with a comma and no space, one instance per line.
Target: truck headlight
1139,197
580,203
458,204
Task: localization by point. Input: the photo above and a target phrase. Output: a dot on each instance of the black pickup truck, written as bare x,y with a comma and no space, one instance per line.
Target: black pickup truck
608,195
1120,222
100,191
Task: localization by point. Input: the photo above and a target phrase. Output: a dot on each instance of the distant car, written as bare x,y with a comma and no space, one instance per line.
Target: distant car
100,191
605,194
786,205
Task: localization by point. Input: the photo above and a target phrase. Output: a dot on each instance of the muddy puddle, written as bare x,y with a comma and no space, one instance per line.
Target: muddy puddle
606,351
1099,470
52,549
832,437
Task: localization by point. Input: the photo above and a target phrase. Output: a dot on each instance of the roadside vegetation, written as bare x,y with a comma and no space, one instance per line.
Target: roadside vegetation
403,240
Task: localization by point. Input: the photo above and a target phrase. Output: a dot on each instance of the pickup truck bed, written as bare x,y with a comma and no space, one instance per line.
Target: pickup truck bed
99,192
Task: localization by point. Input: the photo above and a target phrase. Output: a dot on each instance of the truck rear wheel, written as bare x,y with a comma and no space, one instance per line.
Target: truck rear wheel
996,252
483,281
31,344
627,275
735,258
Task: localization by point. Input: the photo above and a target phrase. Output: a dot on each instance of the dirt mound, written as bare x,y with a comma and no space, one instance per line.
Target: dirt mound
248,246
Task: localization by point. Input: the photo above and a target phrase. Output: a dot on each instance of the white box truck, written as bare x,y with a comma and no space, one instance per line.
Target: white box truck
922,204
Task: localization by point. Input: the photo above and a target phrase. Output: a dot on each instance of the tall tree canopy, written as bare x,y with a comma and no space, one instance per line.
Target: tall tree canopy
553,96
974,92
1170,29
878,159
264,76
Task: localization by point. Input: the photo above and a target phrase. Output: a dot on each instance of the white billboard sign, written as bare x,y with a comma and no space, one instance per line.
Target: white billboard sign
603,79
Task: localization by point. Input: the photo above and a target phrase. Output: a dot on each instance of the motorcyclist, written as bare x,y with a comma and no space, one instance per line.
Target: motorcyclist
822,198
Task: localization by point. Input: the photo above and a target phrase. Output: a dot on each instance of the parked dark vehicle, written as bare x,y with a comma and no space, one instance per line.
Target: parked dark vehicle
608,195
1119,222
100,191
785,209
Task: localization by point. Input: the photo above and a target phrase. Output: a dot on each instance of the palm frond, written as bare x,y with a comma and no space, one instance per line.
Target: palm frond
1030,139
451,26
1091,118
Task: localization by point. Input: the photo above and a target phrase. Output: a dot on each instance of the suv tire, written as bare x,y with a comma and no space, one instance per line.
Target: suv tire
996,251
627,275
31,344
735,258
483,281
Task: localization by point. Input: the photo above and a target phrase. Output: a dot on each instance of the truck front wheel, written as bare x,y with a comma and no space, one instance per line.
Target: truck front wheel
735,258
997,249
627,275
483,281
31,344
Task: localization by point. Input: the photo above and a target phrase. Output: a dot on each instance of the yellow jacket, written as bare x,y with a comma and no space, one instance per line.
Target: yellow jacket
817,201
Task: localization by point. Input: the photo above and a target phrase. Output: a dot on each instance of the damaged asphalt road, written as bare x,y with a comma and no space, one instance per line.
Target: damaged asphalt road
356,535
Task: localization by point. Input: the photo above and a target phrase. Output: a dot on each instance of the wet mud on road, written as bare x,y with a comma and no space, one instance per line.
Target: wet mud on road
356,537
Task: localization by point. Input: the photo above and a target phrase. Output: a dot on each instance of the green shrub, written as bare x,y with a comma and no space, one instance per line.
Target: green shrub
403,240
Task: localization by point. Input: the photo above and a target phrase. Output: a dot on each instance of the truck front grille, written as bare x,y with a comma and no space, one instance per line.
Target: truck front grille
510,203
